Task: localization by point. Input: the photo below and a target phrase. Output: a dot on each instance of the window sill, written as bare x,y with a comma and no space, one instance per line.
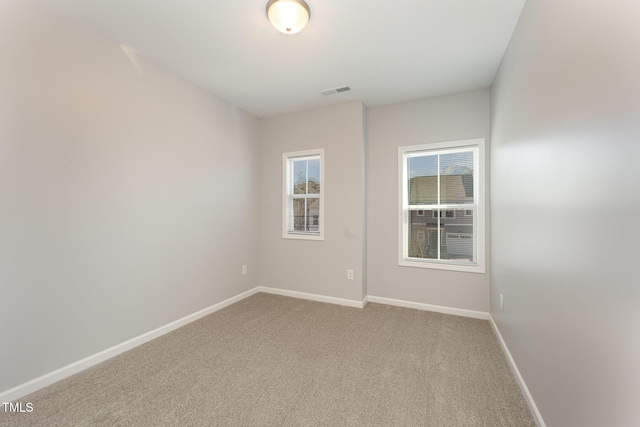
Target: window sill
442,266
302,236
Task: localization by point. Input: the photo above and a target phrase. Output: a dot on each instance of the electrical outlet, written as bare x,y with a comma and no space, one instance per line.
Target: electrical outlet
501,302
350,274
244,270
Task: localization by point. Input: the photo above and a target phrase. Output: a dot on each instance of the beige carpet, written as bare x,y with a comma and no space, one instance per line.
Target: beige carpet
277,361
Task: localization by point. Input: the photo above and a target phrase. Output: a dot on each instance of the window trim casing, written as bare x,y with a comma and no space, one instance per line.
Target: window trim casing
479,221
286,194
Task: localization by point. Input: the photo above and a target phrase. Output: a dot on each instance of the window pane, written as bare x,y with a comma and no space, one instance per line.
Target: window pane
454,234
298,215
456,178
458,239
314,176
423,235
313,214
422,173
299,177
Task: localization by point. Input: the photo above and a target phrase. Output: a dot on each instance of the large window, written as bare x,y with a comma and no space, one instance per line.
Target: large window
303,210
441,217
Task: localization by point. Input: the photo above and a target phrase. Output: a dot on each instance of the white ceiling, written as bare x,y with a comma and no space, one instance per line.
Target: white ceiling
387,51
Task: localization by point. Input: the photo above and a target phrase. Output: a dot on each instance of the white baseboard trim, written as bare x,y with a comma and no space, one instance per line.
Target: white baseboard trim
73,368
429,307
312,297
523,386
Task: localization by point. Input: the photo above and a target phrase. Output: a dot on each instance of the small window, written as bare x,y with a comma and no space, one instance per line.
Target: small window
303,195
420,212
446,182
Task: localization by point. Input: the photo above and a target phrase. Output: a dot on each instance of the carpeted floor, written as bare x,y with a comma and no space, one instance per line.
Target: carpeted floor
276,361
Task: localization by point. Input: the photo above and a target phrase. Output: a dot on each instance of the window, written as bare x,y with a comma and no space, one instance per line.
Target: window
303,195
444,182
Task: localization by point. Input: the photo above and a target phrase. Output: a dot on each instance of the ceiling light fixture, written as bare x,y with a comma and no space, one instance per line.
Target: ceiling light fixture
288,16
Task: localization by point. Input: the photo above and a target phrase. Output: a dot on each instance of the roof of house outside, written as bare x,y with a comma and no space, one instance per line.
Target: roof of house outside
453,189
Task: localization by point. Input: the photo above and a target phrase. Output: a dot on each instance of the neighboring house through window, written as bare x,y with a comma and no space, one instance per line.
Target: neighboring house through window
303,195
441,212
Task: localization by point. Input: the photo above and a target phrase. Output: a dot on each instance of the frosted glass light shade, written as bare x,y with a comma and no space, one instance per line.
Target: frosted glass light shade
288,16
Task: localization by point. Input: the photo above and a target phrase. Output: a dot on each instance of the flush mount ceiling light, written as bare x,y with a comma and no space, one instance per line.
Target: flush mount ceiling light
288,16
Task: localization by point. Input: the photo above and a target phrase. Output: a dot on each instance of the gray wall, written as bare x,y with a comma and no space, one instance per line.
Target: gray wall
447,118
565,208
316,267
126,201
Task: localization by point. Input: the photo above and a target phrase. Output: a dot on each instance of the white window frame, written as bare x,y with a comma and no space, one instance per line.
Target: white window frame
479,198
287,195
